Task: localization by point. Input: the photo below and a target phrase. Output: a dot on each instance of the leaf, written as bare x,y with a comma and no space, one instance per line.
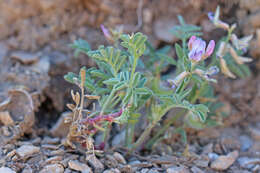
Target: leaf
111,81
120,85
143,91
183,134
80,46
179,51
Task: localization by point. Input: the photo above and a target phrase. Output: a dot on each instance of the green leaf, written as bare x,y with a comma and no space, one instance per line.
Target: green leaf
183,134
143,91
120,85
179,51
80,46
111,81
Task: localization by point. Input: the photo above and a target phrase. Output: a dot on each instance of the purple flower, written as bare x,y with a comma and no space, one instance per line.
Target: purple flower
105,31
198,50
211,16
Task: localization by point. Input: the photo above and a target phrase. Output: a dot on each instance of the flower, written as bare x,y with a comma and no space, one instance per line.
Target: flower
224,68
175,82
105,31
241,43
197,48
216,21
237,58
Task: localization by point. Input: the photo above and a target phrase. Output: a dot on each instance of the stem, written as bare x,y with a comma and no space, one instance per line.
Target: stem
127,140
164,128
107,101
144,136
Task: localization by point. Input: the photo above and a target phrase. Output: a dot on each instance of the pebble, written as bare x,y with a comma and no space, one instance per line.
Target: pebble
246,142
95,163
110,161
224,162
119,158
248,163
177,169
195,169
203,161
60,128
208,148
213,156
27,150
153,171
119,139
6,170
6,118
53,168
112,170
48,140
25,57
255,132
78,166
27,169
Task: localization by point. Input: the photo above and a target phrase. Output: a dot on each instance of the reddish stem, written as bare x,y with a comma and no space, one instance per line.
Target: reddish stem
108,117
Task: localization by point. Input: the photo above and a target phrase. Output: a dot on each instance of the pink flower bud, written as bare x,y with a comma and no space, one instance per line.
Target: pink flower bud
191,40
210,48
105,31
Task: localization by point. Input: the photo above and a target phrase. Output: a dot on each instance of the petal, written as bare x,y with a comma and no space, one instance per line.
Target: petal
105,31
210,48
225,70
191,41
195,56
211,16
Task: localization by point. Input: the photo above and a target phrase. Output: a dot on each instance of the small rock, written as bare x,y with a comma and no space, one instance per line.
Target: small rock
195,169
48,140
61,129
229,141
207,149
119,158
27,150
3,51
78,166
110,161
27,169
25,57
203,161
248,163
119,139
255,132
53,168
144,170
6,170
95,163
6,119
224,162
246,142
153,171
113,170
213,156
177,169
162,29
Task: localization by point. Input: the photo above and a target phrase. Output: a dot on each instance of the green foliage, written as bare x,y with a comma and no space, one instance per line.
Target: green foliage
128,78
185,31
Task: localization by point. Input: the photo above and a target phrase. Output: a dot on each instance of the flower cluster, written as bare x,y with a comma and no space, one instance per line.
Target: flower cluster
197,48
232,48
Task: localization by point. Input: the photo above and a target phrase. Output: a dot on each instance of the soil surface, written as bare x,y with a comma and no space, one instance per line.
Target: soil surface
34,57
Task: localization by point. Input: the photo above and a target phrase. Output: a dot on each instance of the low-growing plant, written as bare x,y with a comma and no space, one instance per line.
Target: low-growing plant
128,82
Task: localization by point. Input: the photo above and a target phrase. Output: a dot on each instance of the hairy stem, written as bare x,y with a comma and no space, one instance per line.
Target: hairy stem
107,101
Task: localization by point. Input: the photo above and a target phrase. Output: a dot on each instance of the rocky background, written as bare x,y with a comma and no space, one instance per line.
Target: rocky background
35,54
